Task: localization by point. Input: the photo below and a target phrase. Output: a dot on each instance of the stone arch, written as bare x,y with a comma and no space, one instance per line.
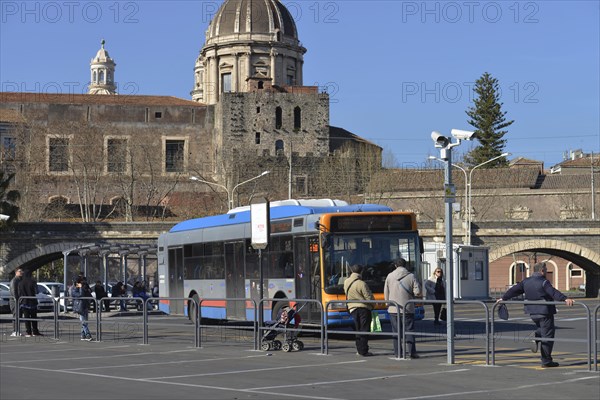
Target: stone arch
547,244
585,258
40,256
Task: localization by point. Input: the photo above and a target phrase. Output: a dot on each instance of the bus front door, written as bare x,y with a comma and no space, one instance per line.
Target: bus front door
234,283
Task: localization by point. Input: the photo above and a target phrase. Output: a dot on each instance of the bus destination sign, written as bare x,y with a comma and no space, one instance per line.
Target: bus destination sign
371,223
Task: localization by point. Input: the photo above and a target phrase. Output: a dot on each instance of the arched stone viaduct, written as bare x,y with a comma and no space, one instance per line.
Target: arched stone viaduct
32,245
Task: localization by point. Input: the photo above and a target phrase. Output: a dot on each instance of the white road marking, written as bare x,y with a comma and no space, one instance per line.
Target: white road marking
507,388
358,379
254,370
160,363
176,383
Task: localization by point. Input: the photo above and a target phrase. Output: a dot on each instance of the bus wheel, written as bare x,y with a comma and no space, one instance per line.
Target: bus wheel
277,309
192,309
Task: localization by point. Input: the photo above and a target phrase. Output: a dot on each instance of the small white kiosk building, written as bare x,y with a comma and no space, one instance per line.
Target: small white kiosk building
471,268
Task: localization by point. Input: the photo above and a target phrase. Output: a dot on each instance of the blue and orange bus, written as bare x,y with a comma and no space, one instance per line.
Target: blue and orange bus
311,247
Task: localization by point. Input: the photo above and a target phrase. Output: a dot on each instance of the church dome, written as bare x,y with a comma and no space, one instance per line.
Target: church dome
252,19
102,55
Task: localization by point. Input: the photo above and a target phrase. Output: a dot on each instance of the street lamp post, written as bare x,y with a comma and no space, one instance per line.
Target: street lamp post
196,179
242,183
464,171
231,192
470,186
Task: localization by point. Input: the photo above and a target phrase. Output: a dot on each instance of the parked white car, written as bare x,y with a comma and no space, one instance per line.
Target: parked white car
55,290
4,300
45,302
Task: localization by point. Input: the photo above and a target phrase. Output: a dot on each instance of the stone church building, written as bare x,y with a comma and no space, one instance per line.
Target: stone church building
248,112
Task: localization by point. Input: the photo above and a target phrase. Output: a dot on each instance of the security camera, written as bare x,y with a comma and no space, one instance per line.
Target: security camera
439,139
462,135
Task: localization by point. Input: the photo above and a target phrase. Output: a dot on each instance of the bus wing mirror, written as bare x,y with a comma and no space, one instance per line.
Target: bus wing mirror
421,248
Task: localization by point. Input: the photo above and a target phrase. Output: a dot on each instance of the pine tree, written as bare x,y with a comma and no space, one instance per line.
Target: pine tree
489,120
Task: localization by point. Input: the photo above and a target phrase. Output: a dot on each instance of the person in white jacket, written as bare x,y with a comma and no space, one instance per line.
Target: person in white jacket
435,288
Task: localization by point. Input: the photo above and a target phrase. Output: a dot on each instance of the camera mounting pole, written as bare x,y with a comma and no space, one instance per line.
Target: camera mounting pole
445,145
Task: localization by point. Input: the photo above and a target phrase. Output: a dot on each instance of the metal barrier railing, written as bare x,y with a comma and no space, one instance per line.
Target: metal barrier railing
19,304
592,331
198,318
135,300
322,327
150,301
479,302
375,302
595,336
543,302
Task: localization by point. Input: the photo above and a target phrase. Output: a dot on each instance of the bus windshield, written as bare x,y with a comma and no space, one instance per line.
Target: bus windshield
374,251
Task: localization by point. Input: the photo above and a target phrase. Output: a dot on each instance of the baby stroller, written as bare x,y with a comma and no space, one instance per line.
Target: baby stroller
281,325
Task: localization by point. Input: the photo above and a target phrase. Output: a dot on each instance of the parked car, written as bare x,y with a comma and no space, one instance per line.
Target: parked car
115,303
45,302
4,299
55,290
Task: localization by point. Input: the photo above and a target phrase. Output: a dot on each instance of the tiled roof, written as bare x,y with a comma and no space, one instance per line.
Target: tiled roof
339,136
580,162
570,181
22,97
433,179
522,161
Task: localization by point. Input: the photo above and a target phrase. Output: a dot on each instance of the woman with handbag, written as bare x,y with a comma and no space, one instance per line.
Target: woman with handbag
436,290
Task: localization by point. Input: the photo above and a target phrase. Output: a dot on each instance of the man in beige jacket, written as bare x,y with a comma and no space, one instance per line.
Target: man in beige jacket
402,286
357,289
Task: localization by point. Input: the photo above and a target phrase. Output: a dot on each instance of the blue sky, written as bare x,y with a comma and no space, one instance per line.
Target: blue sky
395,70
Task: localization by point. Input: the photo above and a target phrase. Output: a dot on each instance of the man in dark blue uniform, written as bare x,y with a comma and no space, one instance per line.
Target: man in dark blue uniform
536,288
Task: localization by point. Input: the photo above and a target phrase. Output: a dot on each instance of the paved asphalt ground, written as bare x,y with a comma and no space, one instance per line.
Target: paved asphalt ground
227,367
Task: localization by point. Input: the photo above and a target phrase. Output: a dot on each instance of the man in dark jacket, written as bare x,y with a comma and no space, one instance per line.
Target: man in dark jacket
537,288
28,288
101,294
81,303
14,301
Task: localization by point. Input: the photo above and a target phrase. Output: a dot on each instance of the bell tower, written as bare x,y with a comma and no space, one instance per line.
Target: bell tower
102,69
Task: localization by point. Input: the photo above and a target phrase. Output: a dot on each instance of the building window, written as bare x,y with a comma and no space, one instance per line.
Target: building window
278,118
174,153
8,149
279,147
519,272
300,186
478,270
158,115
257,138
297,118
58,208
258,110
576,273
261,85
116,155
226,82
58,151
101,80
290,80
464,270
